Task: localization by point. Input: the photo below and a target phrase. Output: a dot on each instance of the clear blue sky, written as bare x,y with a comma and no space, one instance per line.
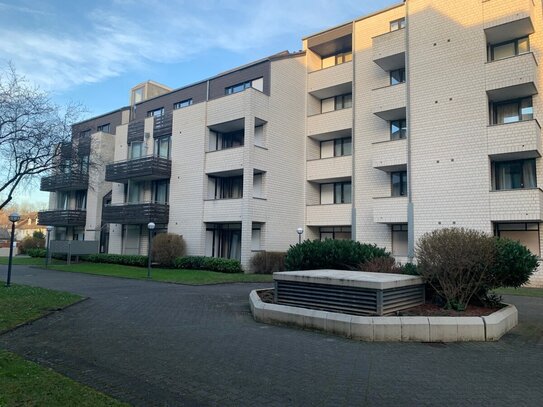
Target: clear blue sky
93,52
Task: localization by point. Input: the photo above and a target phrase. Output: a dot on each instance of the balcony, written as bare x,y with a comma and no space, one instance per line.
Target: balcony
63,217
230,159
514,141
139,169
136,213
508,19
232,107
389,102
328,124
390,155
331,81
329,215
330,169
222,210
389,50
511,78
65,182
391,209
516,205
136,131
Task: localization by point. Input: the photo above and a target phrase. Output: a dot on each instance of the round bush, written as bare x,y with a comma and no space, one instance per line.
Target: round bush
166,248
268,262
513,266
31,242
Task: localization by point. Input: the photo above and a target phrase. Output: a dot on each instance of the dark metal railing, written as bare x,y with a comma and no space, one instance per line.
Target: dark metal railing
65,182
144,168
136,213
162,125
63,217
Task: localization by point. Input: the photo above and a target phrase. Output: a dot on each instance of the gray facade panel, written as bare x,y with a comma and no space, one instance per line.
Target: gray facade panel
218,85
114,119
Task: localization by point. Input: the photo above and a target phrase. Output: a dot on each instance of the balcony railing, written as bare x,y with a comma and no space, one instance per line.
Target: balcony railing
141,169
63,217
65,182
136,213
162,125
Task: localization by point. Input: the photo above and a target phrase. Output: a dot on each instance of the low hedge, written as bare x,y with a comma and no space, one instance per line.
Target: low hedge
208,263
124,259
36,252
268,262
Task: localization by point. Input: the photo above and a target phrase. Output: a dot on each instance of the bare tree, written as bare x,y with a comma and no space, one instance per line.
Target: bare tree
32,131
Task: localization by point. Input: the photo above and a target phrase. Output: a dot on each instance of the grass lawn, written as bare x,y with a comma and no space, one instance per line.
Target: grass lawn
24,383
29,261
523,291
164,275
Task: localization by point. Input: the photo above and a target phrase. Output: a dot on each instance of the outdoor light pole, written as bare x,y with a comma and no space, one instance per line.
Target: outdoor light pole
151,227
14,217
49,230
300,231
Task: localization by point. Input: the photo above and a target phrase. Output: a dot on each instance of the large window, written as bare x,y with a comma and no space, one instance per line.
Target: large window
223,240
515,174
344,101
397,76
84,164
336,59
509,48
512,111
398,183
227,187
162,147
257,84
336,193
85,133
133,192
81,200
222,141
397,24
63,200
398,129
335,233
156,112
135,150
104,127
183,103
525,233
161,191
342,146
399,239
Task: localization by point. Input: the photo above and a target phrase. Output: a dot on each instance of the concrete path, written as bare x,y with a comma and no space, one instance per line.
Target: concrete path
154,344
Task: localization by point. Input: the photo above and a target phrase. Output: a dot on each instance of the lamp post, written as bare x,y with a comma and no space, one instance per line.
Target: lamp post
300,231
151,227
49,230
14,217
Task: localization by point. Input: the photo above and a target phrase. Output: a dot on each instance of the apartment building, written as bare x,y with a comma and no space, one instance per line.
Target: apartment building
421,116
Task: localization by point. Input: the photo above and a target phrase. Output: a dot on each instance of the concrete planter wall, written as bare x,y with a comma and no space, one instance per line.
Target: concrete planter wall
390,329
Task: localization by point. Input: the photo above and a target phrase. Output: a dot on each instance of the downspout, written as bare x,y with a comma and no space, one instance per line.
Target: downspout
353,143
410,211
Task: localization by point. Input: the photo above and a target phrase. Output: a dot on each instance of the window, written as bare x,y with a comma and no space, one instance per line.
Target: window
398,183
223,240
397,76
183,103
509,48
258,185
133,192
135,150
336,59
81,200
156,112
103,127
137,95
335,193
84,164
240,87
397,24
221,141
162,147
227,187
398,129
63,199
512,111
342,146
525,233
515,174
85,133
66,166
335,233
399,239
344,101
160,191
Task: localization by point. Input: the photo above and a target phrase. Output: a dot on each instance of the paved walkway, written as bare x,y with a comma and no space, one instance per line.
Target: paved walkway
166,345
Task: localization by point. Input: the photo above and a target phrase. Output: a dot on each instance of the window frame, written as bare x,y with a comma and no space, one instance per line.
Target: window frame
182,103
157,149
518,102
402,129
522,162
341,142
402,76
497,231
152,113
104,128
397,228
400,24
341,186
403,183
516,45
334,230
340,102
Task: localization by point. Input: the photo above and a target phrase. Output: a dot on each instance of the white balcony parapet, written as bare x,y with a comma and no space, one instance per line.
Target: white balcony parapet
329,215
516,205
390,209
330,169
390,155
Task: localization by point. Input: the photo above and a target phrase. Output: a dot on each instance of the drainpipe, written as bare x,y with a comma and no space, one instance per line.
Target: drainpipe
410,211
353,144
